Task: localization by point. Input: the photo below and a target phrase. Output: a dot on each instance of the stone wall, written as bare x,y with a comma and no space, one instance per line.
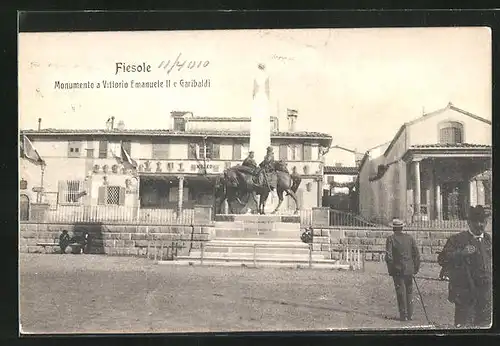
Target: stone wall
114,239
372,241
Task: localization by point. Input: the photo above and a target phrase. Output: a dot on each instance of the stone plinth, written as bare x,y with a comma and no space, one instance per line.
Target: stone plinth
202,214
39,211
255,218
320,217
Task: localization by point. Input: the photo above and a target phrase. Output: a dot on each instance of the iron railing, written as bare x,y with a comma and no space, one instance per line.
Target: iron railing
343,219
119,214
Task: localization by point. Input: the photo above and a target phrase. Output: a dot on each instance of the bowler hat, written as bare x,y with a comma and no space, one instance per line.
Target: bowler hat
397,223
269,148
477,213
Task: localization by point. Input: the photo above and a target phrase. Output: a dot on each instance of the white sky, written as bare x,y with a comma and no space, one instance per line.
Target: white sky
359,85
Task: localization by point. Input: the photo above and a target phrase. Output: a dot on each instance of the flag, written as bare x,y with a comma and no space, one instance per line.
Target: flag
127,160
29,152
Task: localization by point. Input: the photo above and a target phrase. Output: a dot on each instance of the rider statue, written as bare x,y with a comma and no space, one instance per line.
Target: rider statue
250,161
268,163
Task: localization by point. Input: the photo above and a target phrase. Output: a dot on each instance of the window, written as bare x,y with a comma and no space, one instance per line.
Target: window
237,151
283,152
179,124
192,151
111,195
293,153
70,191
160,149
103,149
450,132
208,150
307,152
74,149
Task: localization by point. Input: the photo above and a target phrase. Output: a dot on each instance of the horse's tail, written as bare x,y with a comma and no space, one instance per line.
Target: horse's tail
296,180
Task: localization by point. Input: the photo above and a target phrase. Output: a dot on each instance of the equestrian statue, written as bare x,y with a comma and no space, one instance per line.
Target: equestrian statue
248,179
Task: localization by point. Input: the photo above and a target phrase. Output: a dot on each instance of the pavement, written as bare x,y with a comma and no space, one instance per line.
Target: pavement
108,294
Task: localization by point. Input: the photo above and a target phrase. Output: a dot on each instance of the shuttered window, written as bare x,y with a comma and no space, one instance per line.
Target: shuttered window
237,151
307,152
103,149
192,151
111,195
283,152
160,150
215,154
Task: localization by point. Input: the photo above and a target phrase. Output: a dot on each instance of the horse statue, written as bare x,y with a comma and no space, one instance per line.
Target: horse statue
239,181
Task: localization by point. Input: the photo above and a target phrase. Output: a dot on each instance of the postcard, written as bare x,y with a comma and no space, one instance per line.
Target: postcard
255,180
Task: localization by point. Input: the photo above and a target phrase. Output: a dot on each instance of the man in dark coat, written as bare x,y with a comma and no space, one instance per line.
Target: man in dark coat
467,259
403,262
64,240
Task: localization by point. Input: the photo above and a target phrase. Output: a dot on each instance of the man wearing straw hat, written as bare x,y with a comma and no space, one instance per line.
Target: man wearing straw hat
403,262
468,259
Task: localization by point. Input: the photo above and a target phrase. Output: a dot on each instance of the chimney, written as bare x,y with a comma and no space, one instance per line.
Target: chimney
39,124
112,123
291,115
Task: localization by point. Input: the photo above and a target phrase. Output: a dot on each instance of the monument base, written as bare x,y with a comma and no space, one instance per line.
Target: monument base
270,218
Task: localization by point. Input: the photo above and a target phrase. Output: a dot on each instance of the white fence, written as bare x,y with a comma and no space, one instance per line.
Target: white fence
119,214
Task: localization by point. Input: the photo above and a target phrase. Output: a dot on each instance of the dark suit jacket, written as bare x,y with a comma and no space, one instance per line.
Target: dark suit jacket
402,255
466,273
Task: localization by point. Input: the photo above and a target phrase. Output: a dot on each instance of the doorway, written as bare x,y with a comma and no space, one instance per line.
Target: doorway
24,208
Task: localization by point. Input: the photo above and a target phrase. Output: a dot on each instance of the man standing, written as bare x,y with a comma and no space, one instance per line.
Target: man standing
467,259
403,262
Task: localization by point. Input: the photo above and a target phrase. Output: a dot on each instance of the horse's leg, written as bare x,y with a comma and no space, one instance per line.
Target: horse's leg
279,192
292,194
263,199
254,196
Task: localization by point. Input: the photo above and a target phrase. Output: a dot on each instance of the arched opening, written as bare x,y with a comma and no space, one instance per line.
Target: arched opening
24,208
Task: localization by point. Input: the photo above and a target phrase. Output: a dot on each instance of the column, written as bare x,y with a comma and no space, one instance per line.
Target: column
181,194
480,192
320,192
439,206
416,190
473,193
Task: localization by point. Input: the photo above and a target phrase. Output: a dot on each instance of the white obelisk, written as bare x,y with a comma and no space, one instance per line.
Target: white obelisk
260,127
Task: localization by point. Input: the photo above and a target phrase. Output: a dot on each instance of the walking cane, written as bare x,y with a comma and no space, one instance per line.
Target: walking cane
422,301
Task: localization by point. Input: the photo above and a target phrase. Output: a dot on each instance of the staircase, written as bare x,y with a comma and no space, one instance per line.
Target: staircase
258,241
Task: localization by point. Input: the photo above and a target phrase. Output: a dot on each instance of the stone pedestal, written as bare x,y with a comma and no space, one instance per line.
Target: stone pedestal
320,216
39,211
202,214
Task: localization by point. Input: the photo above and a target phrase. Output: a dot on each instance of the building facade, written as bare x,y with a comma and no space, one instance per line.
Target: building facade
433,169
340,177
176,167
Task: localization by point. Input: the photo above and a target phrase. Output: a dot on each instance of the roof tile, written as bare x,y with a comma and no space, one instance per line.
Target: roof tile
448,146
340,170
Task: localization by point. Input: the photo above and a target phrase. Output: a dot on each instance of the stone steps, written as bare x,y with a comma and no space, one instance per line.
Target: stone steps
263,256
270,234
260,263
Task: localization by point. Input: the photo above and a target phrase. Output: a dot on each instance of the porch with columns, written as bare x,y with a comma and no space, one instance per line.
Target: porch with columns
442,188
